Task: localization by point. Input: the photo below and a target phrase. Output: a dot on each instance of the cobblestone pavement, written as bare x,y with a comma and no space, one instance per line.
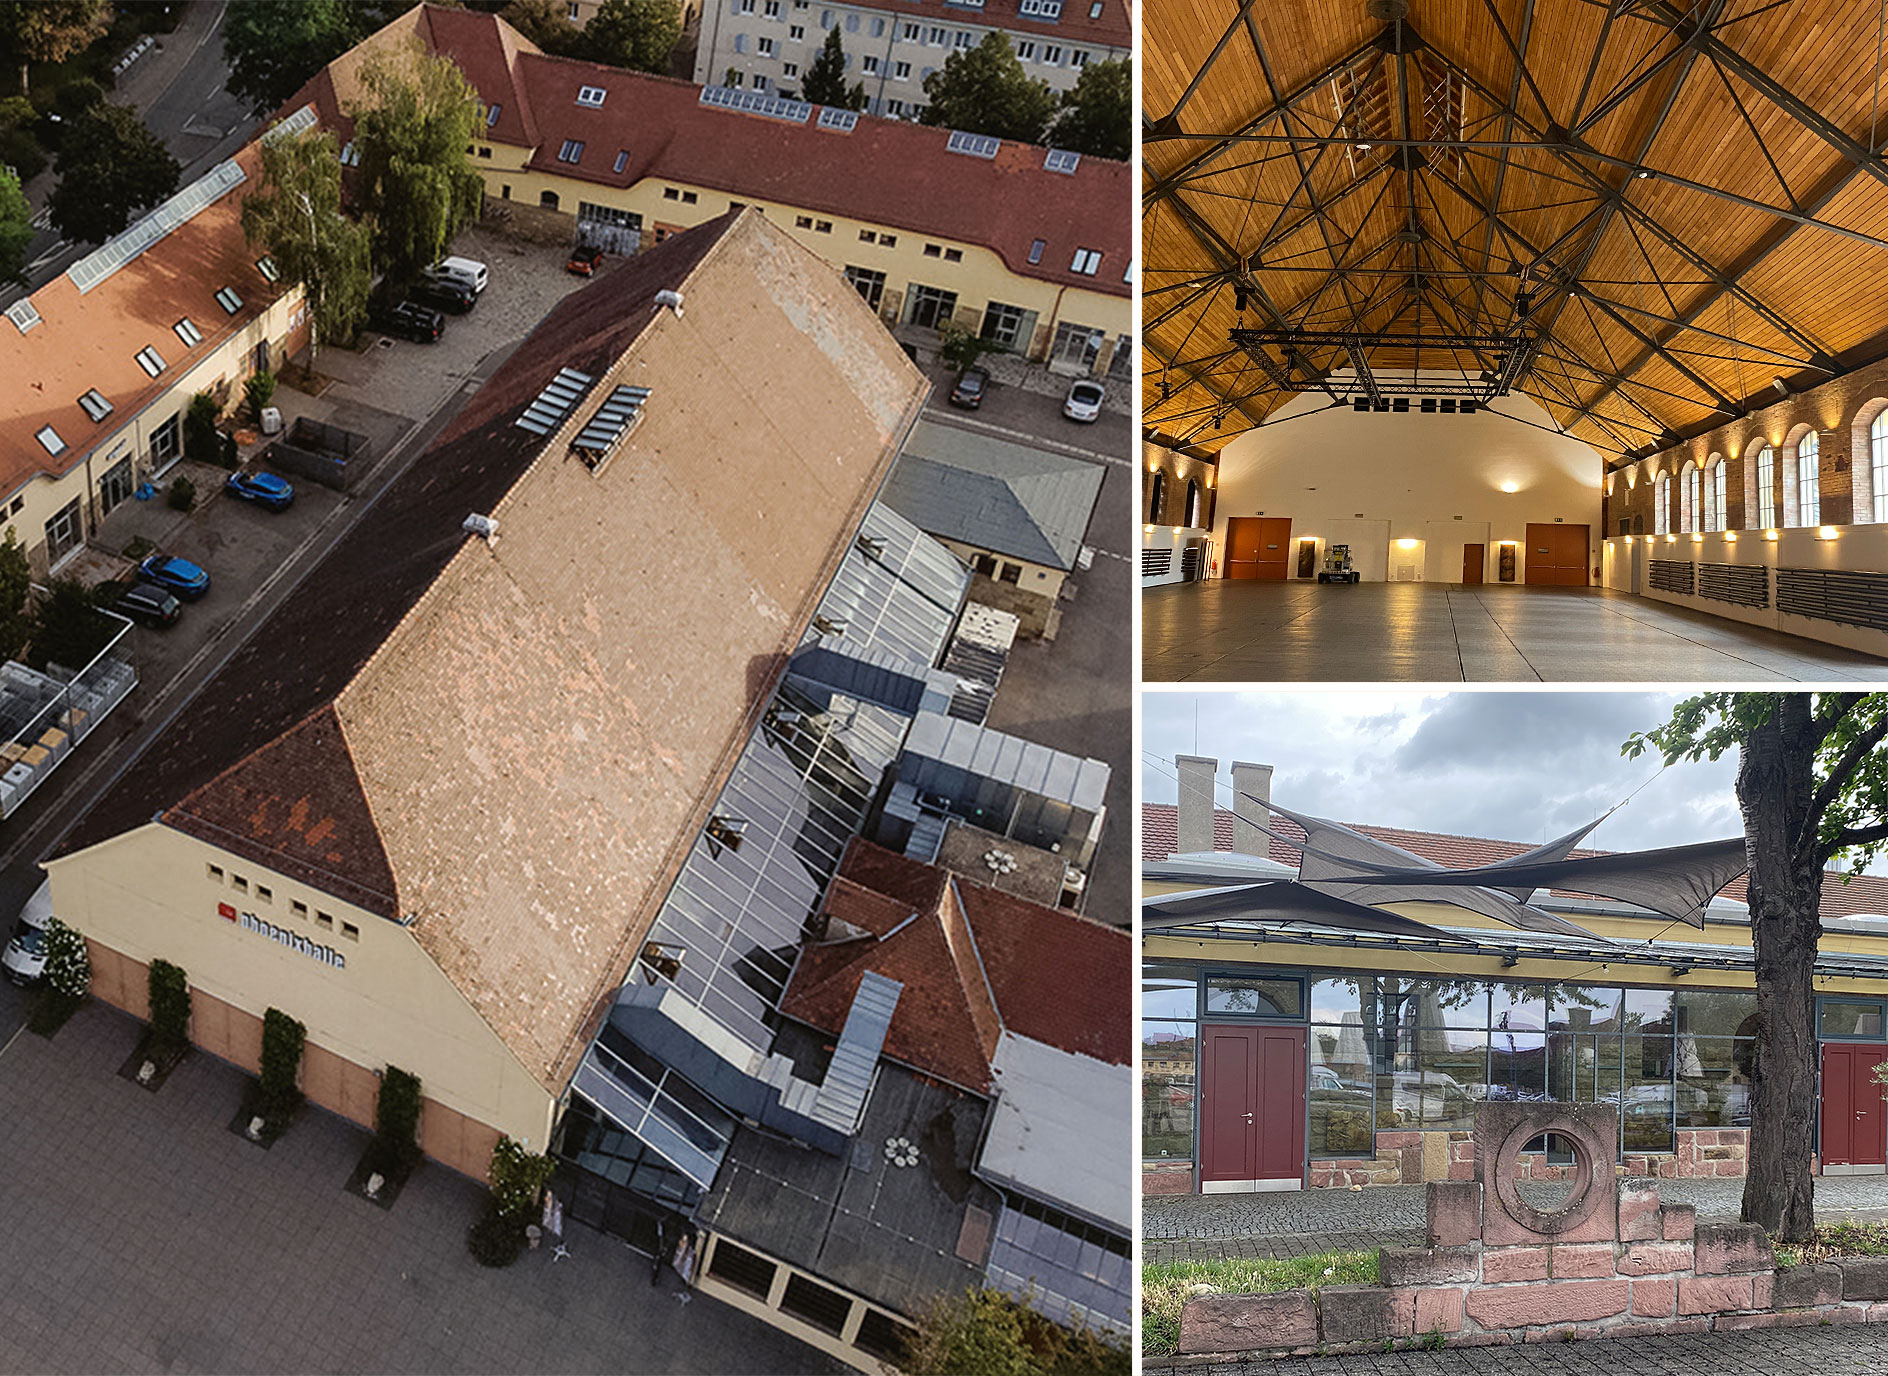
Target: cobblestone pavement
1299,1222
143,1235
1844,1350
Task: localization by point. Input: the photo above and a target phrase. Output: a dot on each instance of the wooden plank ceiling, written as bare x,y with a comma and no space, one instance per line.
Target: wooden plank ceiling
1687,192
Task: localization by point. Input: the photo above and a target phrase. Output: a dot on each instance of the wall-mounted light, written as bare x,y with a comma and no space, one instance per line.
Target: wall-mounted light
1696,538
1178,529
1147,530
1769,535
1826,533
1507,542
1511,486
1407,544
1730,537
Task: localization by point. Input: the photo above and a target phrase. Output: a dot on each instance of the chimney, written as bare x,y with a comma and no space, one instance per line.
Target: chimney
1196,802
1254,780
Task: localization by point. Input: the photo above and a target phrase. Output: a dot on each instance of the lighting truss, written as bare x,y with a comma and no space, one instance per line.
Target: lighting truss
1498,359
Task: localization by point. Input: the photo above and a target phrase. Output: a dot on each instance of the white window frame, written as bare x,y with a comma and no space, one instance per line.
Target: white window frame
188,332
93,403
1809,479
227,298
151,360
1878,464
765,46
1086,261
591,97
1766,488
901,71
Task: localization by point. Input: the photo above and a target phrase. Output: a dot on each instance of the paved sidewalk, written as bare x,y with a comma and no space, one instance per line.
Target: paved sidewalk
143,1235
1839,1350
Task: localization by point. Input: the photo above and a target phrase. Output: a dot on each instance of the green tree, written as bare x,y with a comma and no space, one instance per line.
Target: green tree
67,627
825,80
412,132
110,168
637,34
545,24
16,591
985,91
274,46
296,217
51,30
990,1333
1812,783
16,229
1097,113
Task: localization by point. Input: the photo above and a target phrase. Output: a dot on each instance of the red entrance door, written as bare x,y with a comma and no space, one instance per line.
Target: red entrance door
1252,1108
1854,1123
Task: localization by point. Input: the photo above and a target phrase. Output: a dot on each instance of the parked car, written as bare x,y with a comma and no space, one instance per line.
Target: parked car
410,320
467,270
174,575
584,261
264,489
971,386
1084,400
147,604
448,294
25,957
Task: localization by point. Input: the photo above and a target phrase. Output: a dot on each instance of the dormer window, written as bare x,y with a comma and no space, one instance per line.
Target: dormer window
592,97
95,405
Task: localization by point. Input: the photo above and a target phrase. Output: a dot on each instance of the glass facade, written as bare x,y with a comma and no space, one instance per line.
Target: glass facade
1393,1053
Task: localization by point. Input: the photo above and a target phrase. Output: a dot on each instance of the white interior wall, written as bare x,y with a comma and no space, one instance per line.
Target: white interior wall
1372,479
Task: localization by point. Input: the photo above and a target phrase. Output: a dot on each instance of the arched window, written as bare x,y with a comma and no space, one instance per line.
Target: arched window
1156,489
1193,504
1809,480
1766,488
1878,466
1718,494
1691,500
1662,505
548,199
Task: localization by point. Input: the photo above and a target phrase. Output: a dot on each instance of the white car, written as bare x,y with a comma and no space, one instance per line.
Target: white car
25,957
466,271
1084,401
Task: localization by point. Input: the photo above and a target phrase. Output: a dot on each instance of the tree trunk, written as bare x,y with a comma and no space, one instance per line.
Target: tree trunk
1775,782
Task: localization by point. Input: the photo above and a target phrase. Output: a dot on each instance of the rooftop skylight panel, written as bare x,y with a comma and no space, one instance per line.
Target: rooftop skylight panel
151,360
974,145
266,266
572,151
303,118
188,332
615,418
1061,160
491,116
227,298
49,438
591,96
350,155
24,314
95,404
757,103
622,160
102,262
839,121
555,402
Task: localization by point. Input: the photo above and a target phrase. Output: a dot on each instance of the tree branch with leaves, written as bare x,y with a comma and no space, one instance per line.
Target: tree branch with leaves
296,217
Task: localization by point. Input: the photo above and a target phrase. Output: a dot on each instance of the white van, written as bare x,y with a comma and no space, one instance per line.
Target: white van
25,957
468,271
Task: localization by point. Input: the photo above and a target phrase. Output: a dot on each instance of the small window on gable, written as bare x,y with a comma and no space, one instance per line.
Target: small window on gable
822,226
888,241
591,96
95,404
240,884
151,360
803,222
324,920
299,908
266,266
229,300
670,193
867,236
933,250
1035,249
622,161
264,894
1086,261
188,332
350,931
953,255
215,872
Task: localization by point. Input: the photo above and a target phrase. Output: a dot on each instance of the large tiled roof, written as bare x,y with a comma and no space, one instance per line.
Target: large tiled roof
509,745
974,962
883,171
1160,836
87,341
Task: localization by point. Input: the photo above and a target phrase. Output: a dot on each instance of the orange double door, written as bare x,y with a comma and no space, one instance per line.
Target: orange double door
1257,546
1557,554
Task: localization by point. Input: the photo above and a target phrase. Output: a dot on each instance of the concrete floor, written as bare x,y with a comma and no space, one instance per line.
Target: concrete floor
1251,631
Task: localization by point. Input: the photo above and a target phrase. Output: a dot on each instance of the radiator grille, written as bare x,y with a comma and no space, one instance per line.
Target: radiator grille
1672,575
1156,563
1745,585
1849,597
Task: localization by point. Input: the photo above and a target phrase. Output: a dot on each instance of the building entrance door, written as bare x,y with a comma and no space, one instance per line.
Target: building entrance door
1256,546
1556,554
1252,1108
1854,1123
1474,561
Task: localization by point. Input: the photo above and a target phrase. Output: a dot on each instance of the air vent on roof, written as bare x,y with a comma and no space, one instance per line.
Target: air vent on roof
757,103
23,314
101,263
671,299
976,145
485,526
303,118
1061,160
555,401
615,418
842,121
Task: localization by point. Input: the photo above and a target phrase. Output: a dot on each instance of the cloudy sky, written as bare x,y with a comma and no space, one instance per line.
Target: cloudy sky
1509,765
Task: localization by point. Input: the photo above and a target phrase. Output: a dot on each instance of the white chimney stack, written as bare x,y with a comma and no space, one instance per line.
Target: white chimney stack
1250,781
671,299
1196,802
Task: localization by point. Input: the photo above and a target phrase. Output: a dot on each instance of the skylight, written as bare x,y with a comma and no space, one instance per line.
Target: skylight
839,121
757,103
303,118
188,332
1061,160
151,360
976,145
622,159
24,314
95,404
591,96
266,266
572,151
350,155
491,116
227,298
615,418
49,437
102,262
555,402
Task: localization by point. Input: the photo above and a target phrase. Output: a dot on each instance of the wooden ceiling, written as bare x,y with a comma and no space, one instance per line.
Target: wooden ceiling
1689,191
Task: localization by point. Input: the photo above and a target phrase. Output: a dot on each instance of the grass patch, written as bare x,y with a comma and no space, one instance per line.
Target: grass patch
1167,1285
1833,1240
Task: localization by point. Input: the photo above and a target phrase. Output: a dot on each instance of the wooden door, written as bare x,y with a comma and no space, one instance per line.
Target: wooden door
1474,562
1257,546
1274,546
1556,555
1252,1107
1854,1118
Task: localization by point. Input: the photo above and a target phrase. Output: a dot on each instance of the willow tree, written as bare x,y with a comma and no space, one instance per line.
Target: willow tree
1812,783
412,129
296,218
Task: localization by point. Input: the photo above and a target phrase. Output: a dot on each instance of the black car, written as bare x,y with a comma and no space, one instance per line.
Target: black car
410,320
972,385
147,604
446,294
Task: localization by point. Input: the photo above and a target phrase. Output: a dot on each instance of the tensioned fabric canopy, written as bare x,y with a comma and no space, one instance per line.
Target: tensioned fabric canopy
1278,901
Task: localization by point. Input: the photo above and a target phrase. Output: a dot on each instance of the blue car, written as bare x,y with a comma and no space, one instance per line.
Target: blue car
179,576
263,488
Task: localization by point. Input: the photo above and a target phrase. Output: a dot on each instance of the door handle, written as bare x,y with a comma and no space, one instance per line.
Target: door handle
1248,1117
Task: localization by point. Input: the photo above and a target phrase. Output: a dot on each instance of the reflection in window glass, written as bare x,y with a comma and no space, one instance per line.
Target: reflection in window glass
1340,1090
1266,998
1713,1081
1646,1109
1851,1019
1335,1000
1518,1007
1714,1012
1580,1008
1169,993
1648,1010
1437,1002
1167,1082
1517,1066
